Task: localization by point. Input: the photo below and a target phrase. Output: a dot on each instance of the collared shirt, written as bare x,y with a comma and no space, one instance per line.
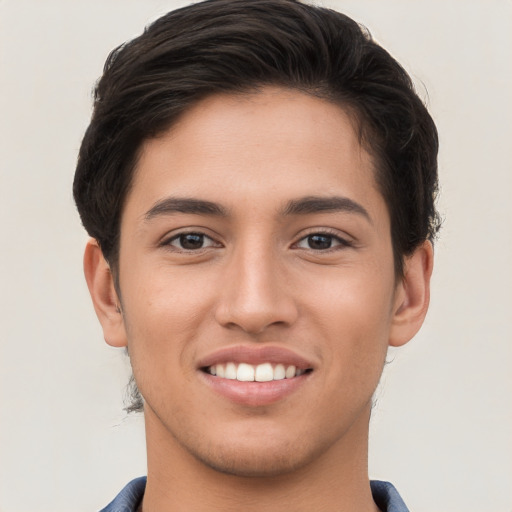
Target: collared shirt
128,500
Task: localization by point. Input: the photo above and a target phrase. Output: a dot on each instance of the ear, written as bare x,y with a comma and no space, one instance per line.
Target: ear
104,296
412,296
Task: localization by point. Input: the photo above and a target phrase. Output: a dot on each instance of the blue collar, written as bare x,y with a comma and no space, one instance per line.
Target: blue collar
384,494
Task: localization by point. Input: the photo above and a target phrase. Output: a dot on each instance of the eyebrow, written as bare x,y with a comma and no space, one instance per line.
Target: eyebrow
171,205
317,204
303,206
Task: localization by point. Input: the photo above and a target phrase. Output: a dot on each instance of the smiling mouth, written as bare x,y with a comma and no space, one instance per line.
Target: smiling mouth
265,372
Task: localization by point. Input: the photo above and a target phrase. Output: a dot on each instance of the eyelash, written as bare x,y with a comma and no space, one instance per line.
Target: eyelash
341,243
334,236
168,242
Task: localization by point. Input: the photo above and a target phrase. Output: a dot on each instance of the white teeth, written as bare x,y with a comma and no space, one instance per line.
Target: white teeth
290,372
230,372
279,372
245,373
264,372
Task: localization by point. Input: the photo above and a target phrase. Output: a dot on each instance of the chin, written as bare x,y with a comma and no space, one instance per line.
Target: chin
262,456
251,465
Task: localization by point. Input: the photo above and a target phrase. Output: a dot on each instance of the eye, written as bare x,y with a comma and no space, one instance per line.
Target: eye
322,242
191,241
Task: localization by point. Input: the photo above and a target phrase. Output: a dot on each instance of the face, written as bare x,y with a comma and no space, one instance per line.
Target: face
256,282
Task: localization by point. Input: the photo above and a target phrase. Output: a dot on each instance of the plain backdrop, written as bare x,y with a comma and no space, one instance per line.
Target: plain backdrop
441,429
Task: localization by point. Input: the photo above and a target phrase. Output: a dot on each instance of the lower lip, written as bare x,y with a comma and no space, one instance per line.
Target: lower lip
255,394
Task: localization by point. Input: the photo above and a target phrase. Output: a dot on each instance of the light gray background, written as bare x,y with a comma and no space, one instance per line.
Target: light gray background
442,427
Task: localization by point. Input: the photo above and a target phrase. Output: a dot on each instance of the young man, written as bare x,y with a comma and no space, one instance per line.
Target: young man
258,180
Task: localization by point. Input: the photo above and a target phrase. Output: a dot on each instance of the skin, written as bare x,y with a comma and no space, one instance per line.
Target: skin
255,282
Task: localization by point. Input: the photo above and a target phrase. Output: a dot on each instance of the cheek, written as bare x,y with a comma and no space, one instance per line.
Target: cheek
160,298
164,315
358,298
355,316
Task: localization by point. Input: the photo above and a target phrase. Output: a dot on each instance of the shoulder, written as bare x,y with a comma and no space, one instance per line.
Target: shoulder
386,497
129,498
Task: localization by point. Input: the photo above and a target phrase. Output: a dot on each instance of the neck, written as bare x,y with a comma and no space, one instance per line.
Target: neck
336,480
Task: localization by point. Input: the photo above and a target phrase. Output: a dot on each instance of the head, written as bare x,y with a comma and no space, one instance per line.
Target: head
226,46
231,63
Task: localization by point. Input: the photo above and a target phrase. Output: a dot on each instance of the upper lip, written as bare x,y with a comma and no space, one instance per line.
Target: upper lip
255,355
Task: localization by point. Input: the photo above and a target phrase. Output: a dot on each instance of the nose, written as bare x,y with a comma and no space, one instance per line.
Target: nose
255,294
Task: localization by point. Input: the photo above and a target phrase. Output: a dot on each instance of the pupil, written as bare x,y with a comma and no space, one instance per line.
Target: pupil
191,241
319,241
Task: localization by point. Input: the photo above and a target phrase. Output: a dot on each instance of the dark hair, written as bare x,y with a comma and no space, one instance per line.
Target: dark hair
239,46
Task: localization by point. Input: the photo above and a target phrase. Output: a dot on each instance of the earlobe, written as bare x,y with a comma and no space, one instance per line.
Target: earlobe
412,296
103,294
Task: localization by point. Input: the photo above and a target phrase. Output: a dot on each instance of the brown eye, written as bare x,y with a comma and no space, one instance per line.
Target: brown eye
319,242
322,242
191,241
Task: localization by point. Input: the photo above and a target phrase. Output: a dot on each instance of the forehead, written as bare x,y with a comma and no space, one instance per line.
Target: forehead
271,144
